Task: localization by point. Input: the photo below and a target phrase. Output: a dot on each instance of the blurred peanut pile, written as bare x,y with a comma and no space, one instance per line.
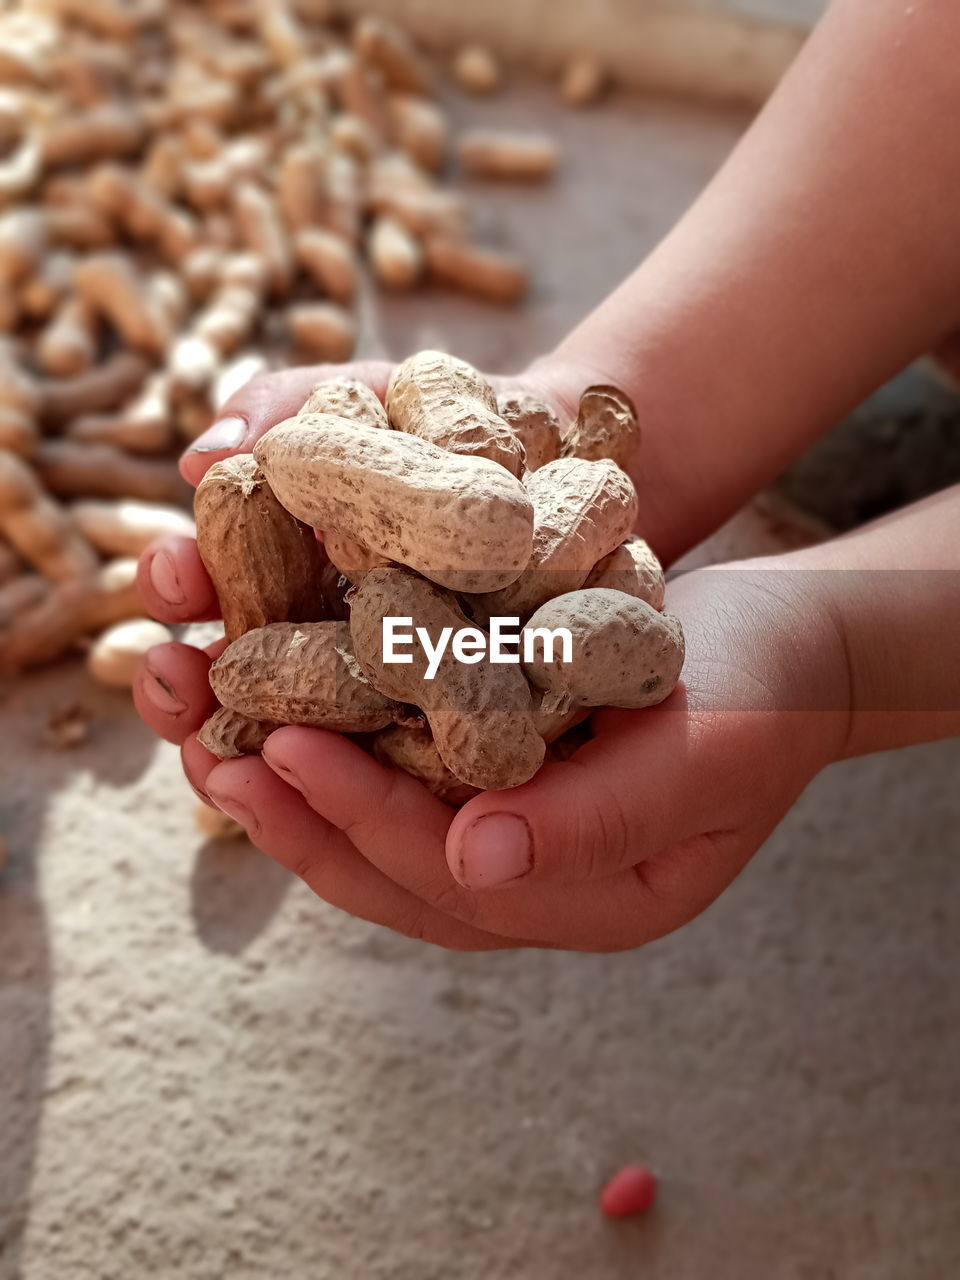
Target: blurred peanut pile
184,187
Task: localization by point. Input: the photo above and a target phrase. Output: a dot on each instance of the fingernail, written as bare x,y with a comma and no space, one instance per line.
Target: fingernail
161,694
285,770
495,850
200,793
227,433
164,579
237,811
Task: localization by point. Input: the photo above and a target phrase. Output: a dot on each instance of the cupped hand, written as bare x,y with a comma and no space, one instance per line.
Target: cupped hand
638,832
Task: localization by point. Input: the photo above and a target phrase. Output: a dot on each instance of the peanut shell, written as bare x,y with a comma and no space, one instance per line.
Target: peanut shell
350,558
625,653
582,511
227,734
632,568
446,401
265,565
480,715
463,522
347,398
412,749
606,427
304,673
534,424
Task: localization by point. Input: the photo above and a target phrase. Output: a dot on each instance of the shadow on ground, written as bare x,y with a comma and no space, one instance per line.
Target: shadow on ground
112,751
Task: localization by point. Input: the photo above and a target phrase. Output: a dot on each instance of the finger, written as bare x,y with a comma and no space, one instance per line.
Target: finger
173,583
264,402
371,803
198,763
280,822
172,691
635,789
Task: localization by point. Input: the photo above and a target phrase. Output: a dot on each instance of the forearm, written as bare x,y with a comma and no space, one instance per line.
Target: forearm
893,589
821,259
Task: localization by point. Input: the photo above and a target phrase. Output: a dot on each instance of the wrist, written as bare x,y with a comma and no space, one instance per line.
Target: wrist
763,637
896,620
904,688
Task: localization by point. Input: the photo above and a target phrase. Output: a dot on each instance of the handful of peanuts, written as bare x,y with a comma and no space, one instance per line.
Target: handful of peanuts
445,510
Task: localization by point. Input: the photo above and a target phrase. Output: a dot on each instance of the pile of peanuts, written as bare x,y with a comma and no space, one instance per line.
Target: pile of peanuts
185,187
445,508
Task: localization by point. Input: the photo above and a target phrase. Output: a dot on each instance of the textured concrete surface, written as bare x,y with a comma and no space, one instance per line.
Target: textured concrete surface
206,1073
901,445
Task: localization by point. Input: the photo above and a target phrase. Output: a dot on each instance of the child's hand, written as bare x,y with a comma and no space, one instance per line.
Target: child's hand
633,836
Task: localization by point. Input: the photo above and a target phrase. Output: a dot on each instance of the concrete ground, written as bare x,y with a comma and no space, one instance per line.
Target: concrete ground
207,1073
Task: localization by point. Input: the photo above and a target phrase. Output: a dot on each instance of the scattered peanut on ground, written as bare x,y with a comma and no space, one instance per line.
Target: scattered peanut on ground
190,194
